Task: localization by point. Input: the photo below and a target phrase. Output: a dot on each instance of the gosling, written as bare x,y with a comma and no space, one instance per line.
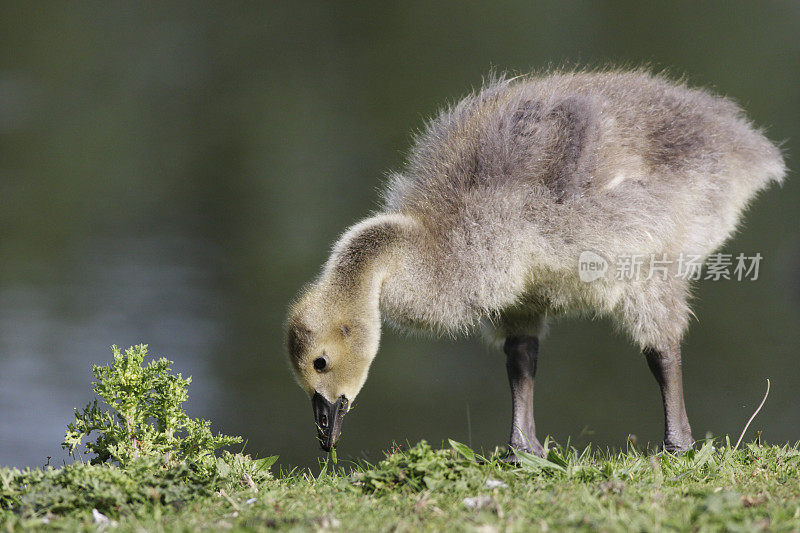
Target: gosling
486,224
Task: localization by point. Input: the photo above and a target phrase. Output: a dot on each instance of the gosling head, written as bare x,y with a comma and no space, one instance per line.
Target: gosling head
332,341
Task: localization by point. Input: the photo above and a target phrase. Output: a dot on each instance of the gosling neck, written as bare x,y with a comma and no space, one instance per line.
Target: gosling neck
365,256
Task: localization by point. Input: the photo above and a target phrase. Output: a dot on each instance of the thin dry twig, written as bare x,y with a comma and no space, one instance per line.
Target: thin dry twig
752,417
224,494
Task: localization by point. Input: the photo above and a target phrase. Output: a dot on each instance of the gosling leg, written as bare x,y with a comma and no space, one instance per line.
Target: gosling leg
666,367
521,355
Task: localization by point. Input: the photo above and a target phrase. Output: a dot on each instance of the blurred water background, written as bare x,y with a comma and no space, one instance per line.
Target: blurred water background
172,173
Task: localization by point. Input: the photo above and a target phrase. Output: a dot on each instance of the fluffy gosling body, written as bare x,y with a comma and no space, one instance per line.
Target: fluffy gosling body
501,194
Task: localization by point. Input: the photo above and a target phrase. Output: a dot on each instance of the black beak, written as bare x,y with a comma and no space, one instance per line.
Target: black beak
328,417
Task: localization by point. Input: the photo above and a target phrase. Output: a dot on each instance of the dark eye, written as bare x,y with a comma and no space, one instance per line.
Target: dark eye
320,363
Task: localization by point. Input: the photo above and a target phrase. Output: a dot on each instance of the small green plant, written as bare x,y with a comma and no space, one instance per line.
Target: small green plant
420,468
144,417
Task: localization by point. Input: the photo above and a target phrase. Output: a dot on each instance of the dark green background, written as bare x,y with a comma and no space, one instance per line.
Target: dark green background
173,174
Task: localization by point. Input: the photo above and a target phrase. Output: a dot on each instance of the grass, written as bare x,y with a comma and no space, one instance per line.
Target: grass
714,487
155,469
